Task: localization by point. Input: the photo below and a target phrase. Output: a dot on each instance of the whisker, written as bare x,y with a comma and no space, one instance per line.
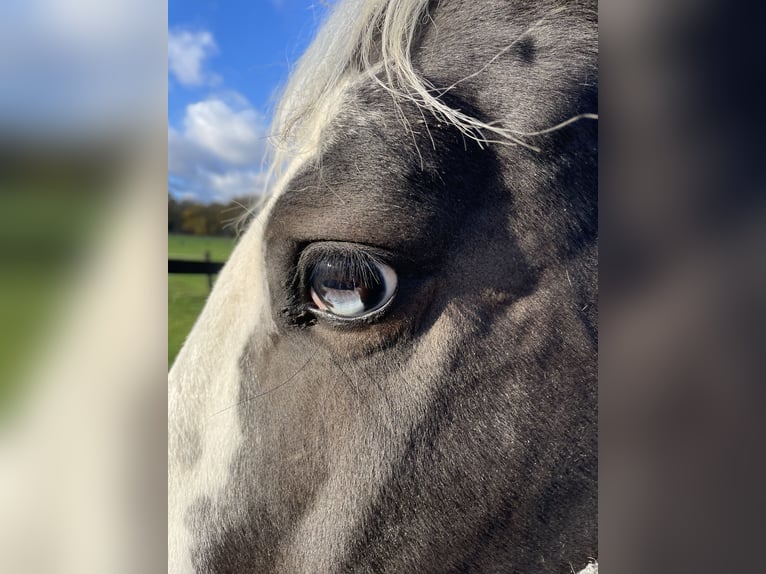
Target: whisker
271,390
351,381
558,126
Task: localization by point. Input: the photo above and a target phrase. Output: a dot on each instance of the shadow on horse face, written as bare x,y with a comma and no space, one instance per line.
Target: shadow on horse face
455,430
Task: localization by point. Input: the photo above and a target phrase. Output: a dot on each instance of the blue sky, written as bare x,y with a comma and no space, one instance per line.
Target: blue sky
226,62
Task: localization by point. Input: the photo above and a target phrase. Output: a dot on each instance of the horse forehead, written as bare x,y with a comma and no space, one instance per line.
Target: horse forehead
461,34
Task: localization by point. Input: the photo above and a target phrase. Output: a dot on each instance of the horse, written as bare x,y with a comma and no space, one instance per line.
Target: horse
396,370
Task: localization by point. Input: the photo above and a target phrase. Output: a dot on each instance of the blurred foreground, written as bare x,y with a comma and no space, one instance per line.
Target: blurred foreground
82,286
683,288
83,349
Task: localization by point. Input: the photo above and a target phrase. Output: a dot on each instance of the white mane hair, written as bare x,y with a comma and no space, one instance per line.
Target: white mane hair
373,39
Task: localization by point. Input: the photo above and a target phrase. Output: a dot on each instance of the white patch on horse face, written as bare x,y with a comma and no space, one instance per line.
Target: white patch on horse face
203,426
204,430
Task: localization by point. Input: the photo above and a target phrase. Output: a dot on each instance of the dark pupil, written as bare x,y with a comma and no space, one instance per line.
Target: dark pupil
340,288
346,284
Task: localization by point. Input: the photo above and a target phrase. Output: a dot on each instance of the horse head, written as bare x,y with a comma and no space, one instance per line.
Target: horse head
396,370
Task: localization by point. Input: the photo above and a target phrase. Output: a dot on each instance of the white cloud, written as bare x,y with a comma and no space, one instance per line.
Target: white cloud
233,184
187,52
235,135
220,150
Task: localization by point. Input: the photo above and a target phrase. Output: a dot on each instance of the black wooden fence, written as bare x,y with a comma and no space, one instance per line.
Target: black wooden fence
205,267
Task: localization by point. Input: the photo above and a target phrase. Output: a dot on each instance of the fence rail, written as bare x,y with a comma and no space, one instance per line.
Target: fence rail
206,267
195,267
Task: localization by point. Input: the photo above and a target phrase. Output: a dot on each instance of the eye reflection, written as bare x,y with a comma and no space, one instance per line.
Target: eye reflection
352,286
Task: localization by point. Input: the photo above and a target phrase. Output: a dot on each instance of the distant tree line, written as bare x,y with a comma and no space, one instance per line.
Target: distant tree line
218,219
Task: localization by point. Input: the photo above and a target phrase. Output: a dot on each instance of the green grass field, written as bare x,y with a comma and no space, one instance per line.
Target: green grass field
187,293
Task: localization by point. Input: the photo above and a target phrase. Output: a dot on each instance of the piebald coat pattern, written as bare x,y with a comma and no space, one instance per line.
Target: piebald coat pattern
456,429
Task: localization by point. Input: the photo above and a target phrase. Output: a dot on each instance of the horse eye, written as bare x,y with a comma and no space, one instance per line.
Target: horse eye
352,289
